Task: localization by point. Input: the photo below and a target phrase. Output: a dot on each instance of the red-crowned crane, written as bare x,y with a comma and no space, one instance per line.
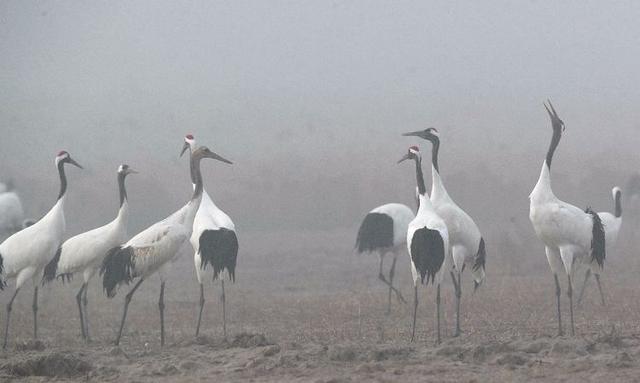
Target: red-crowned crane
85,252
570,234
214,243
427,242
151,250
25,254
384,231
465,240
612,223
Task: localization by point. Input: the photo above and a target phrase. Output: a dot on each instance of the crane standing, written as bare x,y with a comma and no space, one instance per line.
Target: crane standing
465,240
214,242
427,243
25,254
151,250
85,252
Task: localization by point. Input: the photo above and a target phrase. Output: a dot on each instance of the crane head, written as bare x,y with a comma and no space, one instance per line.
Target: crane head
125,169
412,154
204,152
430,134
65,158
556,122
189,143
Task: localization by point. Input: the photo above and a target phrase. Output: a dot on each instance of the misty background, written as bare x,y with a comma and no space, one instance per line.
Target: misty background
309,99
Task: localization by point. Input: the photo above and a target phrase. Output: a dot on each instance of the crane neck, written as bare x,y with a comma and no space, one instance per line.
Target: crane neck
420,177
435,141
63,180
196,178
555,140
121,188
618,205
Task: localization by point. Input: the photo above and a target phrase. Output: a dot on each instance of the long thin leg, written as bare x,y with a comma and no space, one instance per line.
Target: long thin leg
570,294
127,300
201,308
161,307
391,275
6,325
584,285
555,277
438,313
224,311
415,311
79,301
85,303
600,288
35,312
458,293
383,279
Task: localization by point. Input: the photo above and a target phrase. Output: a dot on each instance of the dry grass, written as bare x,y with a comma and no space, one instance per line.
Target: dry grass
317,312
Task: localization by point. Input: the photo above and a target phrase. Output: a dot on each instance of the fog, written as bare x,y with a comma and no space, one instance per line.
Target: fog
309,100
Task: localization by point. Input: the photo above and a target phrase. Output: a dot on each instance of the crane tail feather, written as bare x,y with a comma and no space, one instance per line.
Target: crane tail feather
219,248
51,269
116,269
598,249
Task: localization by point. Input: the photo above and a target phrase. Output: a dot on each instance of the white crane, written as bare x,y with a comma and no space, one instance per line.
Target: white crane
465,240
25,254
427,242
214,242
150,250
570,235
85,252
612,223
384,231
11,212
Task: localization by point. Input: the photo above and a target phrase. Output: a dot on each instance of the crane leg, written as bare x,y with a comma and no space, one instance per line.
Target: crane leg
392,272
457,285
383,279
6,325
79,301
415,311
584,285
161,307
599,288
555,277
438,314
570,295
34,306
85,303
224,310
127,300
201,308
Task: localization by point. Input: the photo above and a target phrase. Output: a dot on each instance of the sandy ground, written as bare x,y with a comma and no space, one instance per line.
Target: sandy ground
319,315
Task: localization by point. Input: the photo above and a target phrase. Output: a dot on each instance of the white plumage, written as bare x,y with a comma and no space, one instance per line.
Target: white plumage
11,213
151,249
465,240
25,254
427,243
568,232
85,252
214,242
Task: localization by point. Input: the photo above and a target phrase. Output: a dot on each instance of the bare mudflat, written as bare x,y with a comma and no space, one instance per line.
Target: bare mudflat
319,314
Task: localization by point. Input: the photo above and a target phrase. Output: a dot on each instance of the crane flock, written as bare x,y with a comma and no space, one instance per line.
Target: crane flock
440,239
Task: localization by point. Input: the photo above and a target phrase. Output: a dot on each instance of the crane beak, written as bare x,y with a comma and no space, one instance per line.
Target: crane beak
219,158
73,162
132,171
184,148
417,134
404,158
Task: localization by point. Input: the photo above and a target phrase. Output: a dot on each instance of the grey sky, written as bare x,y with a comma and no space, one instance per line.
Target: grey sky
315,93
